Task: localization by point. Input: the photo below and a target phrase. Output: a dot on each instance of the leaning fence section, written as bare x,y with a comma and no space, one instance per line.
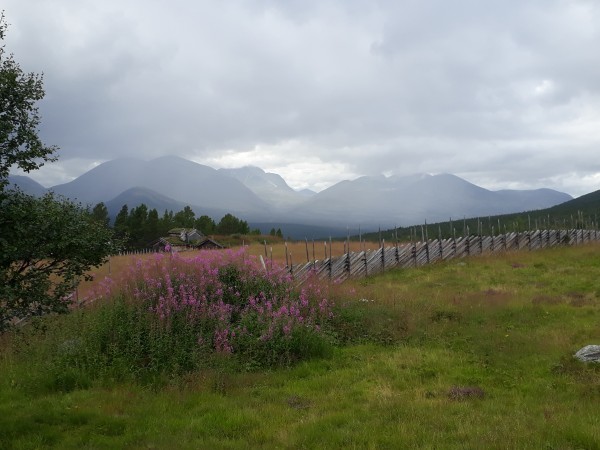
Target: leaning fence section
415,254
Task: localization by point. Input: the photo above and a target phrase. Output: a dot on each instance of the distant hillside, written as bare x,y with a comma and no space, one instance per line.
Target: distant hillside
580,212
385,201
589,204
27,185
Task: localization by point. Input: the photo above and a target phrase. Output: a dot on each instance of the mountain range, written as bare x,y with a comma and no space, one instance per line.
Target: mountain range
265,198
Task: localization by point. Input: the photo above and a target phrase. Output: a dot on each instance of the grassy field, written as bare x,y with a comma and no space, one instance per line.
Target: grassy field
472,353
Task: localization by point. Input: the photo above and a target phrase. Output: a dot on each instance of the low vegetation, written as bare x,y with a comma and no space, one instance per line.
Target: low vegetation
169,315
475,353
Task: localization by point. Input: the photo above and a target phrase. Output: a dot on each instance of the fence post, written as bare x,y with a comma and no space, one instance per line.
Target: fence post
330,268
414,253
454,243
348,262
286,254
383,255
307,257
440,242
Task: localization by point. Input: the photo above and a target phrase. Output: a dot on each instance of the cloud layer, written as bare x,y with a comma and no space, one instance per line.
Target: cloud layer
505,93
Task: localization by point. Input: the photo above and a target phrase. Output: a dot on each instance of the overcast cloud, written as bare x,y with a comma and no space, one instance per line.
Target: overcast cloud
503,93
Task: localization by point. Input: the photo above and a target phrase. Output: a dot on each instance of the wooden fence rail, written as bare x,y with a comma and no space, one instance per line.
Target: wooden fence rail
415,254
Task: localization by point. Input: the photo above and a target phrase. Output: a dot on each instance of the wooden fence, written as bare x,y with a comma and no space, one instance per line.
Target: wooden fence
415,254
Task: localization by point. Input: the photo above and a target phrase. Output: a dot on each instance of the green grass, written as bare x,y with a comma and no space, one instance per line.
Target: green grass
416,344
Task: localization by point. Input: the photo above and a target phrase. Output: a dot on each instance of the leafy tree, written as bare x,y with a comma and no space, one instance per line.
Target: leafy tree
136,223
278,233
230,224
152,226
19,119
166,222
47,246
272,232
205,225
121,223
184,218
100,213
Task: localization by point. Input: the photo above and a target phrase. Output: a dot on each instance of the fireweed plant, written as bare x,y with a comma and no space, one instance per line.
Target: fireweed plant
170,314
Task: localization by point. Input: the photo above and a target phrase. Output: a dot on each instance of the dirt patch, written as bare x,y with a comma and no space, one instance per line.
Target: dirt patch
465,393
489,297
578,299
493,292
297,402
579,302
446,316
495,297
546,300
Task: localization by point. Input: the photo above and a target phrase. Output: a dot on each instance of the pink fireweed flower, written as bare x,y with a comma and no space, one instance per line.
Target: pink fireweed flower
219,293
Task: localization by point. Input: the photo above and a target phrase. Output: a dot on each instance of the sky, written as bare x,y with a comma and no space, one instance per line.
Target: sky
504,93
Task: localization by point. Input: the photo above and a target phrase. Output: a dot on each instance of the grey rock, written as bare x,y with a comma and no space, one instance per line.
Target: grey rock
589,353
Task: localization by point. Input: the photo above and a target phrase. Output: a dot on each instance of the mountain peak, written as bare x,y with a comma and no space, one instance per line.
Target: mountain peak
255,195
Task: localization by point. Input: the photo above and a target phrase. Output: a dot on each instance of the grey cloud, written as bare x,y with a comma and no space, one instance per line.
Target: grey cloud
395,86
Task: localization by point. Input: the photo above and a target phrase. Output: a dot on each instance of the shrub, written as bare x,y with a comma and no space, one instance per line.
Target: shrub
170,315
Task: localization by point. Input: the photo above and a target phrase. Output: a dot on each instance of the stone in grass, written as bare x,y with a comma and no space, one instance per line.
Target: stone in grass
465,392
589,353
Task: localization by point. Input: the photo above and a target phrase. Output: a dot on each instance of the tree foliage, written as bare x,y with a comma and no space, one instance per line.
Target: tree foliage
230,224
205,224
277,233
138,227
46,244
184,218
46,247
19,118
100,213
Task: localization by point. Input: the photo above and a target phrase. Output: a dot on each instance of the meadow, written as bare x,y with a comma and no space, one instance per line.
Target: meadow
469,353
